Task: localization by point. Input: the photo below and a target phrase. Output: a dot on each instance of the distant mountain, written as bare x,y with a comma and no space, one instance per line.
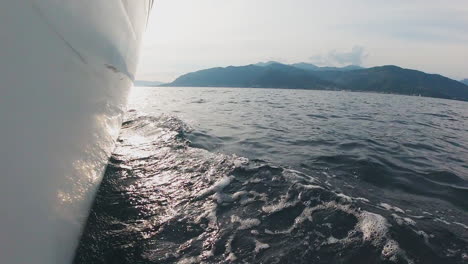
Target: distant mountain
384,79
465,81
146,83
393,79
312,67
268,63
275,75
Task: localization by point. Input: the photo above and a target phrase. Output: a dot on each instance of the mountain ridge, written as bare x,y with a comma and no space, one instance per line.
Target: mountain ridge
272,76
147,83
383,79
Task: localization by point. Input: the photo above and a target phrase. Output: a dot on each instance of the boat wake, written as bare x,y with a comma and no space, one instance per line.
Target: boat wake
164,200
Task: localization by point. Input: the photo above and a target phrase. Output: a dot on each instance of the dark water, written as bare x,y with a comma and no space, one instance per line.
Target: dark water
206,175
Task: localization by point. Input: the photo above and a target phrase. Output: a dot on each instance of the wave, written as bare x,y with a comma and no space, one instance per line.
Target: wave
164,200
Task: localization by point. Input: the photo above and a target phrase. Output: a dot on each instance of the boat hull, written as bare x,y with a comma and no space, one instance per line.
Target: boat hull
65,70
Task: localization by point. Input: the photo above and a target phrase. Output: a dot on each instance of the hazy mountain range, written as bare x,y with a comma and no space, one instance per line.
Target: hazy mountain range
384,79
312,67
465,81
146,83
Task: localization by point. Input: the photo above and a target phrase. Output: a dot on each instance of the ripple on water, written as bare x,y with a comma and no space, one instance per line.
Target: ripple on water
165,201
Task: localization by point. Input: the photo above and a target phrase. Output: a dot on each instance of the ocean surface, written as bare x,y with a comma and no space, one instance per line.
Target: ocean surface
229,175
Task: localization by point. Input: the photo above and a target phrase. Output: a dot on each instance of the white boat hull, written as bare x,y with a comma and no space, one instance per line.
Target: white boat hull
65,70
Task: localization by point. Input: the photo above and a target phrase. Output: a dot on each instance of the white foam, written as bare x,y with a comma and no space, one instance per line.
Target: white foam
403,220
305,215
273,208
311,186
344,197
231,257
299,175
269,232
260,246
424,235
240,161
392,208
332,240
391,250
442,221
210,214
245,201
362,199
417,216
245,223
238,195
460,224
255,196
220,198
218,186
255,180
374,227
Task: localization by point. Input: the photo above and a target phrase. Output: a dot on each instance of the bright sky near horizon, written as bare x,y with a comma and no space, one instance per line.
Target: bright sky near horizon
189,35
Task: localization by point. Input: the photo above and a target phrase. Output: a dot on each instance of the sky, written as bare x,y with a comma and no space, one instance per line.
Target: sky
189,35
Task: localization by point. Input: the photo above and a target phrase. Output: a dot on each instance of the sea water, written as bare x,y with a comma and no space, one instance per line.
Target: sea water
237,175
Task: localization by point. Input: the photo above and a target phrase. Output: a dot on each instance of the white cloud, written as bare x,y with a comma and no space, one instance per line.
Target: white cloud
340,58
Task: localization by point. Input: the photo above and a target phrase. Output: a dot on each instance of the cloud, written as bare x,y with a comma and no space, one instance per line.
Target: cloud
355,56
337,58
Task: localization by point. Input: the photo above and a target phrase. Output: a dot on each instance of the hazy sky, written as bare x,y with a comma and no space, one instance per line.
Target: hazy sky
188,35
